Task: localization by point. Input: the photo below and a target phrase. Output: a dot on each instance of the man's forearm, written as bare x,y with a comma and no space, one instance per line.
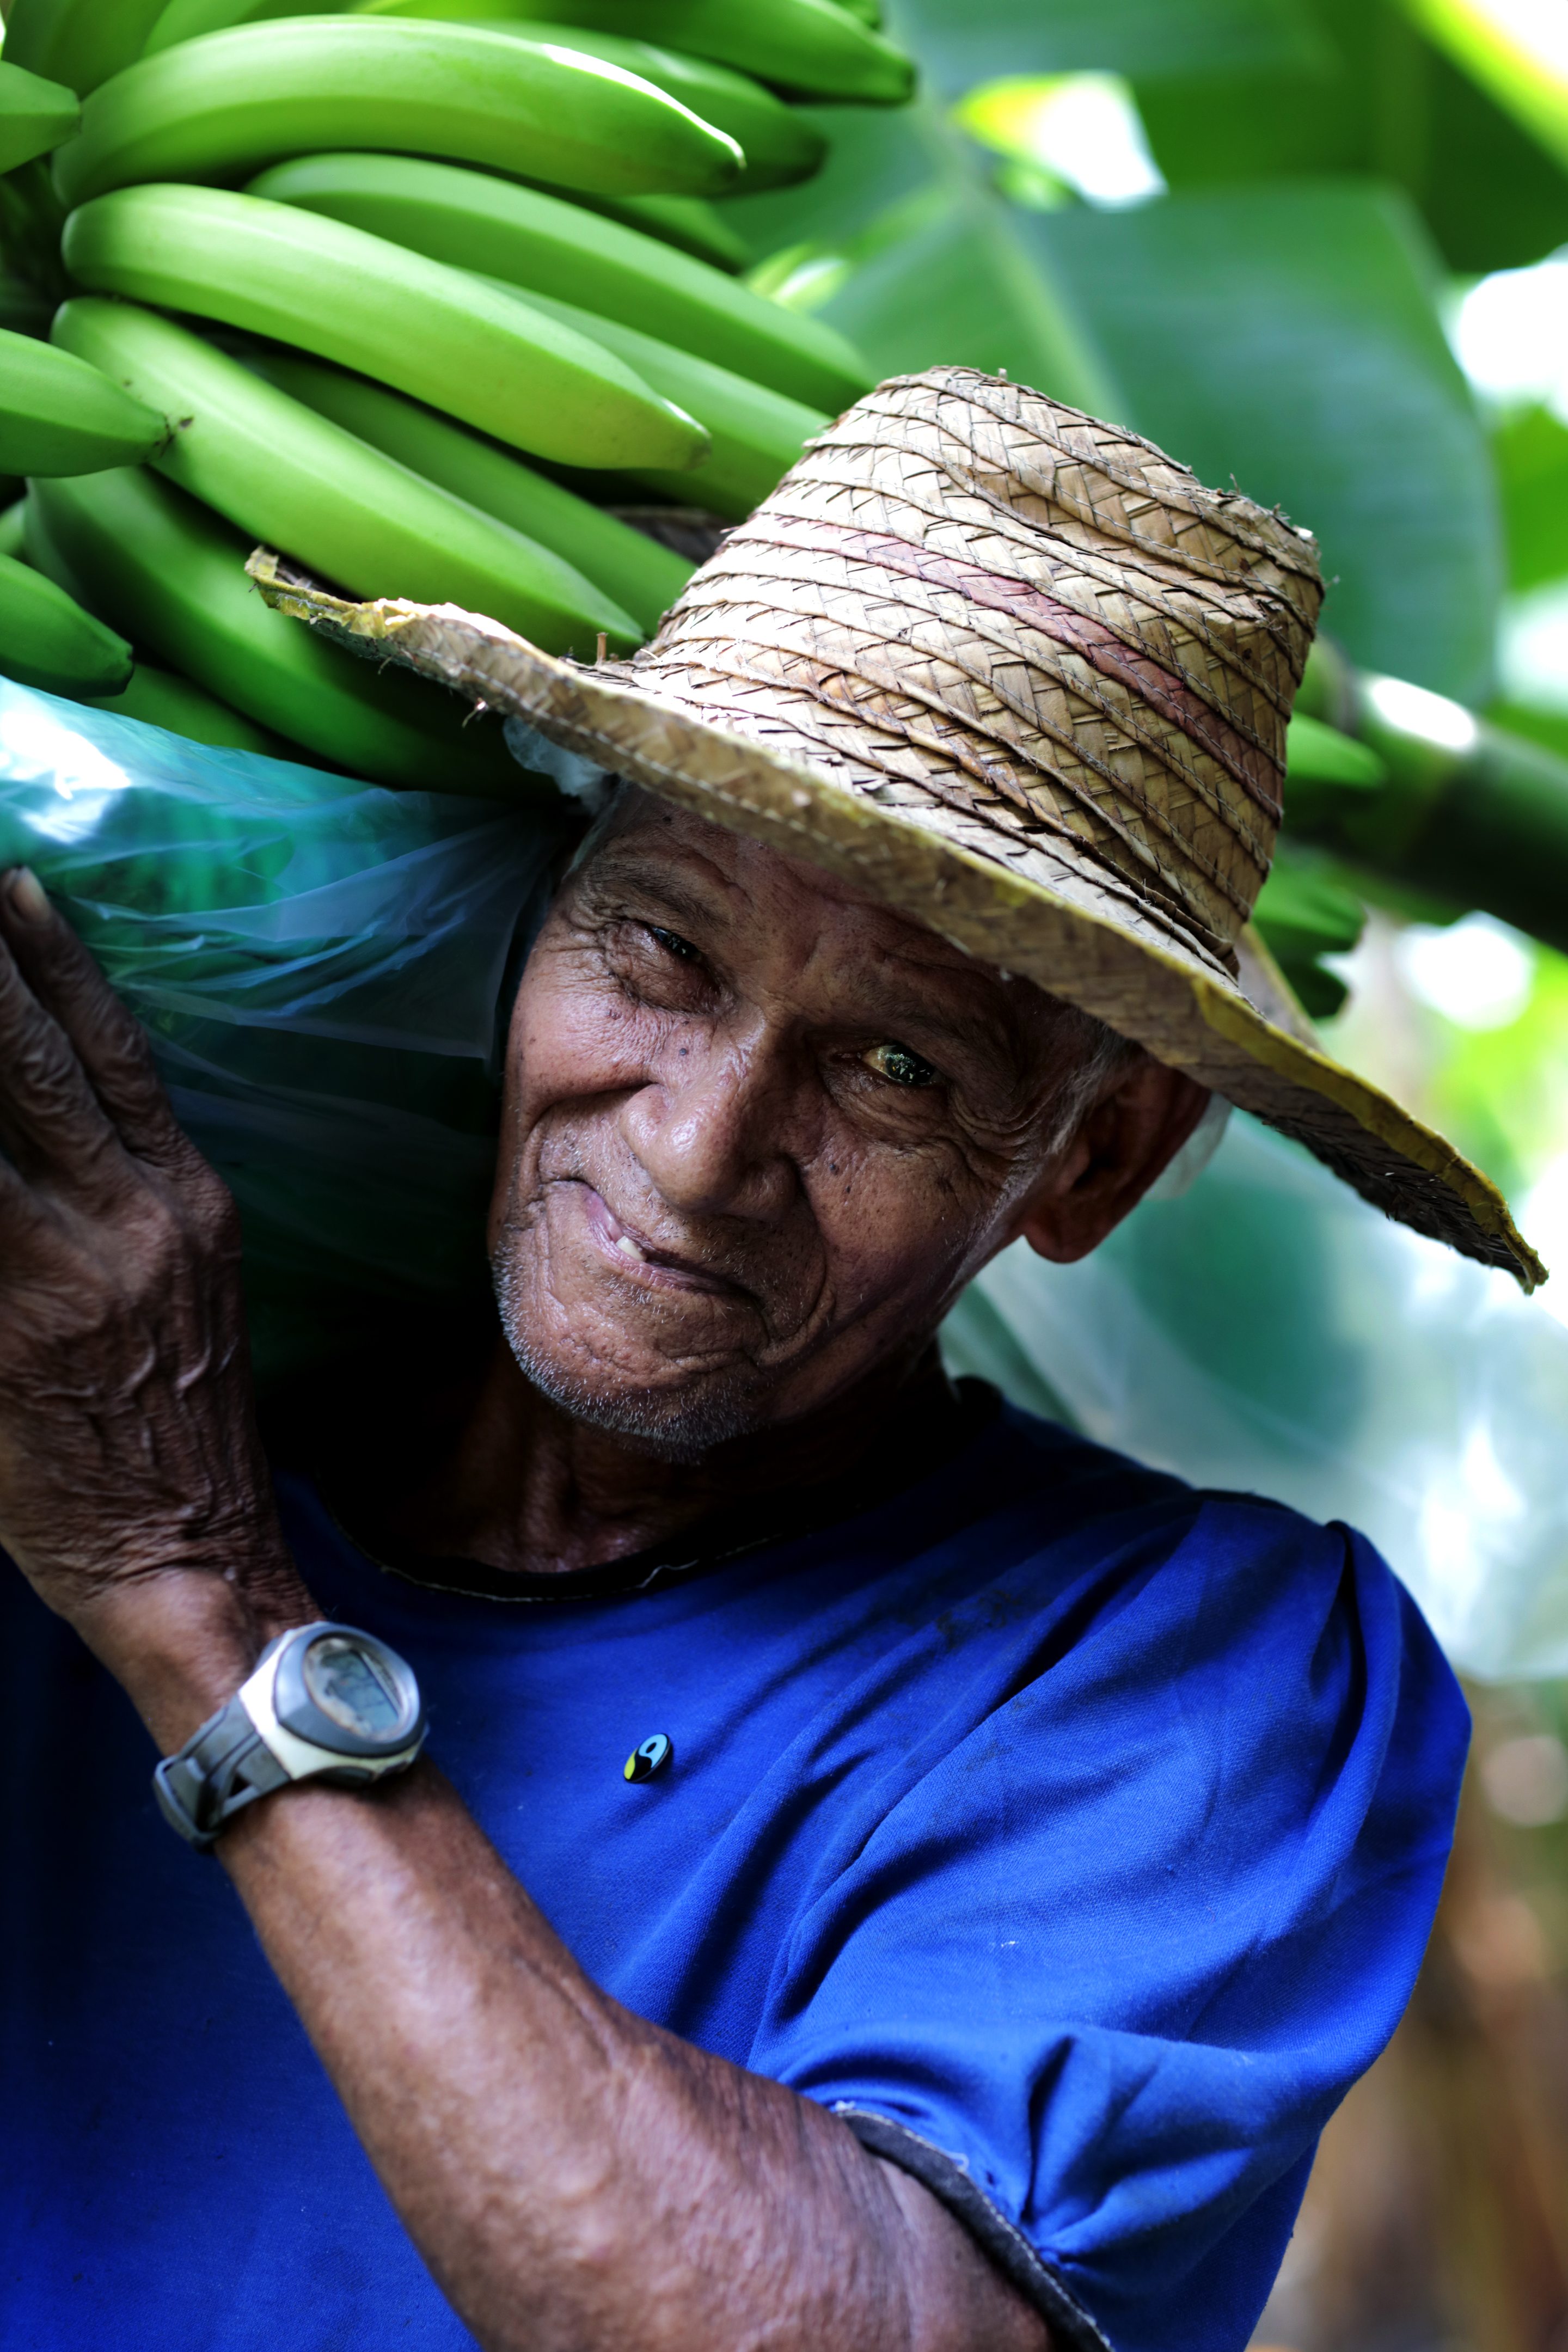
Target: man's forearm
574,2176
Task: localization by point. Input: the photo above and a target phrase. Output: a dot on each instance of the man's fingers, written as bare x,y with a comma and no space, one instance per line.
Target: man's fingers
107,1042
51,1122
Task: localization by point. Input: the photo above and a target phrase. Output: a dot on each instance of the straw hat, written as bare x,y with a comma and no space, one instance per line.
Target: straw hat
1019,673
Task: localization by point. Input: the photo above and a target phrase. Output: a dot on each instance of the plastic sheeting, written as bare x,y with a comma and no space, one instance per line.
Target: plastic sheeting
1269,1331
325,969
321,966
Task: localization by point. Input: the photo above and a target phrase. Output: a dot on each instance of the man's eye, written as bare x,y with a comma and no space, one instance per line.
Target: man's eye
899,1064
673,944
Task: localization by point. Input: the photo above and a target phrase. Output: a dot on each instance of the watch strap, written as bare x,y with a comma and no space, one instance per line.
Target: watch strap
215,1775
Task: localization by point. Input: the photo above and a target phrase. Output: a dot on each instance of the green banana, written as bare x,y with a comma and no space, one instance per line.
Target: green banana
11,542
187,20
689,223
159,698
36,116
166,568
757,434
78,42
811,47
642,576
47,640
544,245
225,105
780,146
286,476
431,332
58,415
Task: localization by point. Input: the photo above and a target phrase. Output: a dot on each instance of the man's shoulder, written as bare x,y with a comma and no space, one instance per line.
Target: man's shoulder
1139,1562
1118,1626
1070,1486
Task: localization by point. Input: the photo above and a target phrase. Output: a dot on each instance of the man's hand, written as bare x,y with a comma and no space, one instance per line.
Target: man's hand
133,1491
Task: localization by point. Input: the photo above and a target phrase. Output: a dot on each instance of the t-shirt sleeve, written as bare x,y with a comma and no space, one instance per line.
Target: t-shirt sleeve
1152,1881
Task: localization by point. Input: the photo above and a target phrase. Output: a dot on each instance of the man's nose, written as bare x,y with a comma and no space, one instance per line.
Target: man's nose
714,1127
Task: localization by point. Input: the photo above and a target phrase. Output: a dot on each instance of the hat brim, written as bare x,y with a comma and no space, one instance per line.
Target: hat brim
1248,1043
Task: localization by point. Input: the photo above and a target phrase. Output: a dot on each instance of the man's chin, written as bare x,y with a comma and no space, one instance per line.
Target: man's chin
680,1421
677,1424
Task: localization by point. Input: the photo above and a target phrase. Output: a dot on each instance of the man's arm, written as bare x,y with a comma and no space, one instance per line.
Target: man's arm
573,2176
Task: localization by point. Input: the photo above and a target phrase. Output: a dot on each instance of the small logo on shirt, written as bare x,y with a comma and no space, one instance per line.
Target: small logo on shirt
650,1756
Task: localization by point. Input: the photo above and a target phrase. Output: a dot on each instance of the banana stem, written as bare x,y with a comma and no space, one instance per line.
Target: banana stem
1469,812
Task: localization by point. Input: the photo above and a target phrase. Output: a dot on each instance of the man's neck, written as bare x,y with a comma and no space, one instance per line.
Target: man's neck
482,1467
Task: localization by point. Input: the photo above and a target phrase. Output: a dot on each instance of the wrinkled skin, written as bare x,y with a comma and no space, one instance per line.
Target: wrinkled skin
722,1059
758,1134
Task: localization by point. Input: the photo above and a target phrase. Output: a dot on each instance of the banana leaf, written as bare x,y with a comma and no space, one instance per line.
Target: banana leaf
1531,451
1525,75
1285,334
1375,97
900,232
959,43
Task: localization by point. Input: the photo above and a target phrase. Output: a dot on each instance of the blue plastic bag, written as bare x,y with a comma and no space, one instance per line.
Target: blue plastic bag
322,967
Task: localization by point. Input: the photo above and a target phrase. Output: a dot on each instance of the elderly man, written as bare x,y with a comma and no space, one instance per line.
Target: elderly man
907,1877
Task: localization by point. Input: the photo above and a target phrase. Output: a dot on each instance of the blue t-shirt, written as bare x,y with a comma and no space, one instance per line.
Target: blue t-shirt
1075,1834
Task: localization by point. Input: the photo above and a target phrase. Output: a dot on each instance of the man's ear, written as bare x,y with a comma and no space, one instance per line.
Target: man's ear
1133,1131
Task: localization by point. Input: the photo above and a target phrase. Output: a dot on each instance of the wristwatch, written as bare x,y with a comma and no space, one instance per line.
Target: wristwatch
325,1702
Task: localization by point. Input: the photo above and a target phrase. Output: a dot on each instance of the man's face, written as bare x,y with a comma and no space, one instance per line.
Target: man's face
758,1132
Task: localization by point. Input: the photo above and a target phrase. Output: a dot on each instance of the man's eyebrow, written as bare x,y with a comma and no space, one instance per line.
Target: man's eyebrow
610,874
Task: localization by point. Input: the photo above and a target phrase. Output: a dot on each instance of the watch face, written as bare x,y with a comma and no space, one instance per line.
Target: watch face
353,1689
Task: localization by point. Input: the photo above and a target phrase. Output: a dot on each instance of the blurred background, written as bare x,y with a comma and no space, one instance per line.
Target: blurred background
1321,248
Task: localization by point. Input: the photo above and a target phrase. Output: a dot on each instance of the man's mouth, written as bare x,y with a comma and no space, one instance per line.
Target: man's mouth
635,1254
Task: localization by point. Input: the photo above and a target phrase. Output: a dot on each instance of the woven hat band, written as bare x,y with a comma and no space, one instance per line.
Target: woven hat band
968,593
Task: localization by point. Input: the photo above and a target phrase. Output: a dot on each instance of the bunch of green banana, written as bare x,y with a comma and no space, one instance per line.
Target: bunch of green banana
434,332
61,414
755,435
36,116
472,229
691,223
219,107
50,642
542,245
285,475
644,578
815,48
164,567
777,146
